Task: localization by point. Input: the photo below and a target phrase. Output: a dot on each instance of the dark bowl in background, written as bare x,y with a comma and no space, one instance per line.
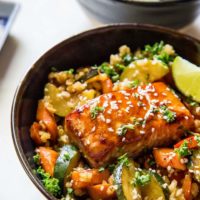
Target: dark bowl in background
88,48
170,13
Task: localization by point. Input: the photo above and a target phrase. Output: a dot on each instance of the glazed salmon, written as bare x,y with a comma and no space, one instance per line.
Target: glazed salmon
127,121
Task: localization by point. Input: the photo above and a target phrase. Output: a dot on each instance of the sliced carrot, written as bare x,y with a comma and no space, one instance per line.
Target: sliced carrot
48,119
102,191
187,186
34,132
107,85
48,159
87,177
192,143
165,157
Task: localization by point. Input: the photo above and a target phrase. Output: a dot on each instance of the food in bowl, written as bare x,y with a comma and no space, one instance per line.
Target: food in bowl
120,130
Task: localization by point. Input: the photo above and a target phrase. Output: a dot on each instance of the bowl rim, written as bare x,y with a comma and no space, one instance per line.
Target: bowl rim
14,130
154,3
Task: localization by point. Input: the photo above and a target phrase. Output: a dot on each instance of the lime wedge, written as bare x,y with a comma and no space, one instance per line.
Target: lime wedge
187,77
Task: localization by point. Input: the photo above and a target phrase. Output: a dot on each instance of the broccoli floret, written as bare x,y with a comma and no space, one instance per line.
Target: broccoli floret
51,184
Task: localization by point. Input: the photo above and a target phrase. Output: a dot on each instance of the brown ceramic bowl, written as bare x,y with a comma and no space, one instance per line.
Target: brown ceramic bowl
88,48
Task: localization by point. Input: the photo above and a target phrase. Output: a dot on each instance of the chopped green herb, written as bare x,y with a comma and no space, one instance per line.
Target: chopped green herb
127,59
70,71
124,128
191,102
136,95
134,84
120,67
138,122
110,71
36,159
95,111
151,162
141,179
54,69
69,191
154,110
123,159
66,157
197,138
165,58
154,49
183,150
101,169
168,115
51,184
111,167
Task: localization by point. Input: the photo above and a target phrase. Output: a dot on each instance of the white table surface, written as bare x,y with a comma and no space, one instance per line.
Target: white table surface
40,24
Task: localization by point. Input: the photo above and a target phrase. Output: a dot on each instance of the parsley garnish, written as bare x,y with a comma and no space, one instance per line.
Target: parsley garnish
70,71
183,150
127,59
123,159
164,57
191,102
120,67
95,110
54,69
111,167
51,184
136,95
168,115
151,162
134,84
154,49
101,169
124,128
110,71
36,159
66,157
197,138
69,191
141,179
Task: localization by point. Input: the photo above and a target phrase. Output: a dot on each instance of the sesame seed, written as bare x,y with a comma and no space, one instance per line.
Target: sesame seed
110,129
108,121
79,134
114,105
105,104
186,117
141,97
155,94
142,132
152,129
102,188
109,111
123,139
154,101
127,109
93,129
102,118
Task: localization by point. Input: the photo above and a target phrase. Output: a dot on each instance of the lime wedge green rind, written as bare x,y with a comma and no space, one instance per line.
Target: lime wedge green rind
187,77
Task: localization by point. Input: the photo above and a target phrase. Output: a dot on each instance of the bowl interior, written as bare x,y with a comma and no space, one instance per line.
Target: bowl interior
88,48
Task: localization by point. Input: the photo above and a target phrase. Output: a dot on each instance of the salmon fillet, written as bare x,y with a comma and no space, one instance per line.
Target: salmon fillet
127,121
